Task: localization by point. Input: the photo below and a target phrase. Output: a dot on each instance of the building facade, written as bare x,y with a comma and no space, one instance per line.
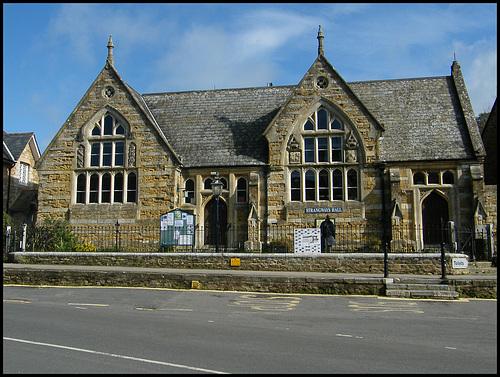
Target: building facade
20,178
398,155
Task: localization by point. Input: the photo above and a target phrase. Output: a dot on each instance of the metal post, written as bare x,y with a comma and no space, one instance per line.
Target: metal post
116,242
386,261
384,224
7,239
443,262
443,255
23,239
217,227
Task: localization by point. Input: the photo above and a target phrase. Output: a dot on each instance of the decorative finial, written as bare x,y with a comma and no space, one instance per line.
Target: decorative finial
321,50
110,59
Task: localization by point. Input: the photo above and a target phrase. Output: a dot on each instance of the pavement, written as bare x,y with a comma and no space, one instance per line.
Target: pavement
267,274
476,285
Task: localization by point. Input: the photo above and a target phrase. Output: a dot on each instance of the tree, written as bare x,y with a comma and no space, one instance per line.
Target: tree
481,120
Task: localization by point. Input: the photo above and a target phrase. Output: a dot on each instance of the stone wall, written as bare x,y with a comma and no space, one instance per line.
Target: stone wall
146,155
490,205
232,280
418,264
359,127
16,187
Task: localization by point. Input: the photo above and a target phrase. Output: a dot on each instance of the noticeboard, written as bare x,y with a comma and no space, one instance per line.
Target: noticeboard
177,228
307,240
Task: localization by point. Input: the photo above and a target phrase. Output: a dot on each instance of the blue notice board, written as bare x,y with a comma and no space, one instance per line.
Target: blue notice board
177,228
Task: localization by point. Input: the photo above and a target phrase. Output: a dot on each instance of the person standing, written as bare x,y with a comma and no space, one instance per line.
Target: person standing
327,234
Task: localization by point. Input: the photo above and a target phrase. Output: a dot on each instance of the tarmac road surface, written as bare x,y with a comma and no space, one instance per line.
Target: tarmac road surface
138,330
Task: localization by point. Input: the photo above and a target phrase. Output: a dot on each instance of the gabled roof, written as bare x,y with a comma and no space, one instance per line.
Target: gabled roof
136,97
7,155
17,142
218,127
422,118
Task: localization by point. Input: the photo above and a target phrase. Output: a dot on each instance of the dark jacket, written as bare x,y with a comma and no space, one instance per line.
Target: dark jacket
327,228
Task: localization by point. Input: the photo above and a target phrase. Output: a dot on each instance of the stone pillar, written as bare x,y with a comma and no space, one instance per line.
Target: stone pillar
253,221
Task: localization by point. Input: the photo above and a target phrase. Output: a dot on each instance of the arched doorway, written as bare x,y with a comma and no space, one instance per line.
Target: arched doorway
434,216
211,222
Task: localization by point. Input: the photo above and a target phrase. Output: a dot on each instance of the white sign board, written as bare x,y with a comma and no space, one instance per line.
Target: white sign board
307,240
460,262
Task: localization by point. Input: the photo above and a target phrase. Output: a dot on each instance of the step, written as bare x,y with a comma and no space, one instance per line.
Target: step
481,264
429,290
482,268
442,295
422,287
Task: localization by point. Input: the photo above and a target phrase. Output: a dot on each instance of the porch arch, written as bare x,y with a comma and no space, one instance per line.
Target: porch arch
435,212
210,222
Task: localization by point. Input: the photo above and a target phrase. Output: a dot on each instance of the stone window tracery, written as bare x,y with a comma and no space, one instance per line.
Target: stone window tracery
324,160
103,173
241,190
434,178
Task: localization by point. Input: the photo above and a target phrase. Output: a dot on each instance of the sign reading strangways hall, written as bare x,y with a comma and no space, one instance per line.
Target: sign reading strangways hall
324,210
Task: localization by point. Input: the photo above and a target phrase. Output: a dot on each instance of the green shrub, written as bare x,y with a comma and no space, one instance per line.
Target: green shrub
86,247
56,235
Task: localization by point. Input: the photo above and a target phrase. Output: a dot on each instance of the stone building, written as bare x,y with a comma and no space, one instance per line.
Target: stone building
20,178
394,154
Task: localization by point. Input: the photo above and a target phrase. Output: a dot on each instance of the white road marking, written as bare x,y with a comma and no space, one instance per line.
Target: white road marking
267,303
115,355
387,306
74,303
349,336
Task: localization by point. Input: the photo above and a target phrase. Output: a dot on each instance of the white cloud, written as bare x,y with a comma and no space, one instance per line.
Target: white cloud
78,24
482,81
86,26
203,57
238,53
267,30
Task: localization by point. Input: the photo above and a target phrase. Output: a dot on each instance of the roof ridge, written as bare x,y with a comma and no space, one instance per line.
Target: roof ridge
401,79
19,133
220,90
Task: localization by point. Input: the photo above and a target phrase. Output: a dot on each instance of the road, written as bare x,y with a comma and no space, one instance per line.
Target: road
137,330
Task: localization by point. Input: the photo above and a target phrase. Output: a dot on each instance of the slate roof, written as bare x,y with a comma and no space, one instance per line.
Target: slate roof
218,127
422,118
17,142
24,200
7,155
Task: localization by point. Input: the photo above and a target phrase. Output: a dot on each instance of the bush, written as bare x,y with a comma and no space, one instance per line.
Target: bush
86,247
281,245
55,235
7,221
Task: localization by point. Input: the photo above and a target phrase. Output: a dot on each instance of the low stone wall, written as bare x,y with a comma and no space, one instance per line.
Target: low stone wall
227,282
484,288
64,275
408,263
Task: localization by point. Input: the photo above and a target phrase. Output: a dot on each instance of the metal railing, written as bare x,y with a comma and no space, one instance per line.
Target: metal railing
349,238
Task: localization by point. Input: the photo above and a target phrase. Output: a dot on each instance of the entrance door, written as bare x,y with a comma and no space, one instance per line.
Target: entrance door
211,222
434,216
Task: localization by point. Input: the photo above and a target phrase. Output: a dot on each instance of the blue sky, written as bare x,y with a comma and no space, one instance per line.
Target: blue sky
53,52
